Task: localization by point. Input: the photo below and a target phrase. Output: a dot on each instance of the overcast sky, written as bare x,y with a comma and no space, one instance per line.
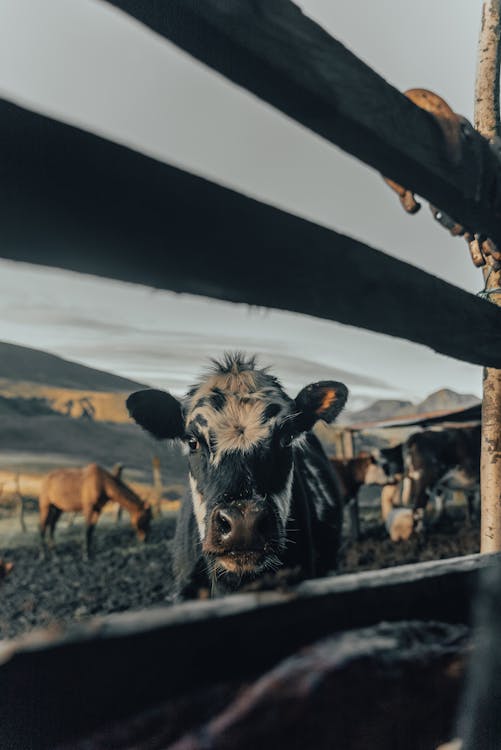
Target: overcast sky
87,64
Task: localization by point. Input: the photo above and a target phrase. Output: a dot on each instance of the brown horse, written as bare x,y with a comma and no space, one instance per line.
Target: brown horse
87,490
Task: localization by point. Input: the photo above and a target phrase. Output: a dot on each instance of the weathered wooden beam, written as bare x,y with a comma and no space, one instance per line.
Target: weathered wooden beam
55,686
282,56
480,720
360,689
487,121
73,200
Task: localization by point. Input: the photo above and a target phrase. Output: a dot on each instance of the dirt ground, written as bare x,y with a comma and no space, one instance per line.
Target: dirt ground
452,537
127,575
123,573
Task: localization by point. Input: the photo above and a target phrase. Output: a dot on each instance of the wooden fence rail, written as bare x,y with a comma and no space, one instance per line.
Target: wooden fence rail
57,685
271,48
74,200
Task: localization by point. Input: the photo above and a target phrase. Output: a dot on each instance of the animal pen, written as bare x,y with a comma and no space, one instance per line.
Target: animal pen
394,643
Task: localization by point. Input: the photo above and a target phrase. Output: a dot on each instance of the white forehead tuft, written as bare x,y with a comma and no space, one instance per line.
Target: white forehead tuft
231,407
239,426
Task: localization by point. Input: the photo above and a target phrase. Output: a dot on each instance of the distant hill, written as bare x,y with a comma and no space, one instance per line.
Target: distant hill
33,382
442,399
20,363
380,409
55,440
56,412
446,399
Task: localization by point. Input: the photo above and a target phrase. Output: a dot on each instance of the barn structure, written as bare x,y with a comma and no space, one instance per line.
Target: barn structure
345,436
394,643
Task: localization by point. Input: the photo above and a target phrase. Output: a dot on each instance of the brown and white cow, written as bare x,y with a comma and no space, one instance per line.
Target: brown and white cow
262,492
399,519
352,473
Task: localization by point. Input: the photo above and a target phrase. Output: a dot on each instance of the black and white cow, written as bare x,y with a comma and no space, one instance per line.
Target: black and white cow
391,460
438,461
263,493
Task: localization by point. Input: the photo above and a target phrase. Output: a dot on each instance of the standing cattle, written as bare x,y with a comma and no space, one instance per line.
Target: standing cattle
263,493
391,461
436,461
352,473
400,522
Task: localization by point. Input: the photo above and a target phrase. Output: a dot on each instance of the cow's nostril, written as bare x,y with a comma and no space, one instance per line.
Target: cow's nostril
223,523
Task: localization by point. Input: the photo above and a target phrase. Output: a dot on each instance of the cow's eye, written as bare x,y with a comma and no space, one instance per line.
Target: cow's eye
193,444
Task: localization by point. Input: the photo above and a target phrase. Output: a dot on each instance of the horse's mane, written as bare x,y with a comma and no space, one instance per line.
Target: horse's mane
122,493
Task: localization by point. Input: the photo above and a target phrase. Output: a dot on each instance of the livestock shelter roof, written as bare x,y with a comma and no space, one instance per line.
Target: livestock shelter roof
426,419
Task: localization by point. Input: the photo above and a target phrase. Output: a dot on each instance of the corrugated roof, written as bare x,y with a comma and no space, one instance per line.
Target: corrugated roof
468,414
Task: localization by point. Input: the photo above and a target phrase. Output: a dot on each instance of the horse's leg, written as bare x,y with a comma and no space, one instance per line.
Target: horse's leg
54,515
44,516
120,510
89,531
90,522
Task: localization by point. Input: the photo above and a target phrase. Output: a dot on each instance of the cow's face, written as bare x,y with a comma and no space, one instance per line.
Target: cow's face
240,429
391,461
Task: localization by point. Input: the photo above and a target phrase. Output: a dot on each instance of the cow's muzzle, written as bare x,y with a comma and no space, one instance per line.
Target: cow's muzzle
240,535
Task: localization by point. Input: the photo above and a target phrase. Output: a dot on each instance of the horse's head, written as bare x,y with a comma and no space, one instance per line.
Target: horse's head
142,521
5,568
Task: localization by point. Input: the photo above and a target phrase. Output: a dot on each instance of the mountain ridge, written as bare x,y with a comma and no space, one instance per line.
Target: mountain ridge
33,382
22,363
441,399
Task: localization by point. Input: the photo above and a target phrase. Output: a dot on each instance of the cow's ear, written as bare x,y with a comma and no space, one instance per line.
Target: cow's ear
158,412
317,401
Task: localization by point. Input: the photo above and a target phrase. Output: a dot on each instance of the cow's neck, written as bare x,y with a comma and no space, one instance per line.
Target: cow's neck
300,548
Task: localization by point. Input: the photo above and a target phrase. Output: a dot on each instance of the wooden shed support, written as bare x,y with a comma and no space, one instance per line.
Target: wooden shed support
487,122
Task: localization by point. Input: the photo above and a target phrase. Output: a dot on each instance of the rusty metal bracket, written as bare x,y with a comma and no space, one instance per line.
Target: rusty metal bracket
451,126
457,132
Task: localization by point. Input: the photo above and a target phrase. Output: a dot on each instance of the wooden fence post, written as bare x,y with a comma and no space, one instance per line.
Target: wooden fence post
348,450
157,484
20,502
487,122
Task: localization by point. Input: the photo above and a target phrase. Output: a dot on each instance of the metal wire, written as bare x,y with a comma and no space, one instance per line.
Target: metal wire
486,293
